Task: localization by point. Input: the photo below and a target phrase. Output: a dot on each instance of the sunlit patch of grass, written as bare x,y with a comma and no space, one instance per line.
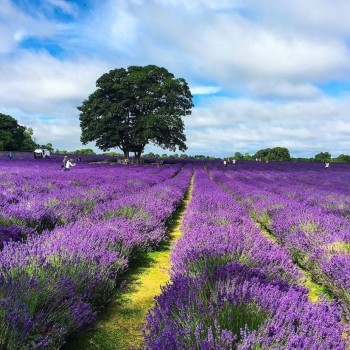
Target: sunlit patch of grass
220,221
266,232
264,220
128,211
276,206
120,324
309,228
51,203
301,259
338,247
315,290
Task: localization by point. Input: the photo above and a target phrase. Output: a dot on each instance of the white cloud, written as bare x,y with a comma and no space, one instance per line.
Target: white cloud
204,90
37,82
316,17
285,89
247,125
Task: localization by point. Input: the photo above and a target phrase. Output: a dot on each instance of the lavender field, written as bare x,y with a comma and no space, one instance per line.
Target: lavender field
254,236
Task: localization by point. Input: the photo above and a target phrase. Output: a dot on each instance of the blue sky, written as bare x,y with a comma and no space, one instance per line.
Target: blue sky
263,73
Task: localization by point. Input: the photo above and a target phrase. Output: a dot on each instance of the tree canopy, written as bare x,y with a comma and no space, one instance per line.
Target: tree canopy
276,153
323,157
136,106
15,137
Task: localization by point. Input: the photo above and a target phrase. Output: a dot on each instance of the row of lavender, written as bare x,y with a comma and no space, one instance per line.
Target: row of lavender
233,289
309,183
38,195
55,282
316,239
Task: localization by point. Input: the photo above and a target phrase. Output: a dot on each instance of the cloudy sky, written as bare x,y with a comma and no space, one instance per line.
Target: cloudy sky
262,73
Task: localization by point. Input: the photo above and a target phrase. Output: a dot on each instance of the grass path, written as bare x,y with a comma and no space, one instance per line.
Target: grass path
120,325
315,289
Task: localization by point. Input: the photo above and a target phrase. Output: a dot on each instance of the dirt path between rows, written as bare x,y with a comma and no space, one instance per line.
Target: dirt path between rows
119,326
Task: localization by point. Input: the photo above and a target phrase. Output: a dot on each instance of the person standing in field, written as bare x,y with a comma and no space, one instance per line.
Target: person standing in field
225,162
326,164
10,155
69,164
64,161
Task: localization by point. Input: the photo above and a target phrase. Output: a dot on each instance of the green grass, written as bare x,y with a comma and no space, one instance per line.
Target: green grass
119,325
315,289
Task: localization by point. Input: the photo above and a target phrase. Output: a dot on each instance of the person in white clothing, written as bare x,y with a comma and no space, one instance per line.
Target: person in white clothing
69,164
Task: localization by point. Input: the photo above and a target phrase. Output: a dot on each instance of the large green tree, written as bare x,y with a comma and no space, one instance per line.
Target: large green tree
276,153
263,153
136,106
11,133
279,154
323,157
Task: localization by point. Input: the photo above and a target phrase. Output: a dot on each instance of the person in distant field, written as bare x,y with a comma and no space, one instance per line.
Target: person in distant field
78,160
326,164
233,161
10,155
225,162
69,164
64,161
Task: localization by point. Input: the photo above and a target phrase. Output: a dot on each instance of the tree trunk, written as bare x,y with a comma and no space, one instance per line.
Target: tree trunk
126,154
138,157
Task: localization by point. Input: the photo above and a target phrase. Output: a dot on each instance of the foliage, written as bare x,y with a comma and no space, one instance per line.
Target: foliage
342,158
149,155
48,146
87,151
28,144
240,156
114,154
136,106
323,156
15,137
11,133
276,153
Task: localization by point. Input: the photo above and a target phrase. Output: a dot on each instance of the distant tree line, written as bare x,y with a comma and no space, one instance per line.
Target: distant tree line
84,151
282,154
